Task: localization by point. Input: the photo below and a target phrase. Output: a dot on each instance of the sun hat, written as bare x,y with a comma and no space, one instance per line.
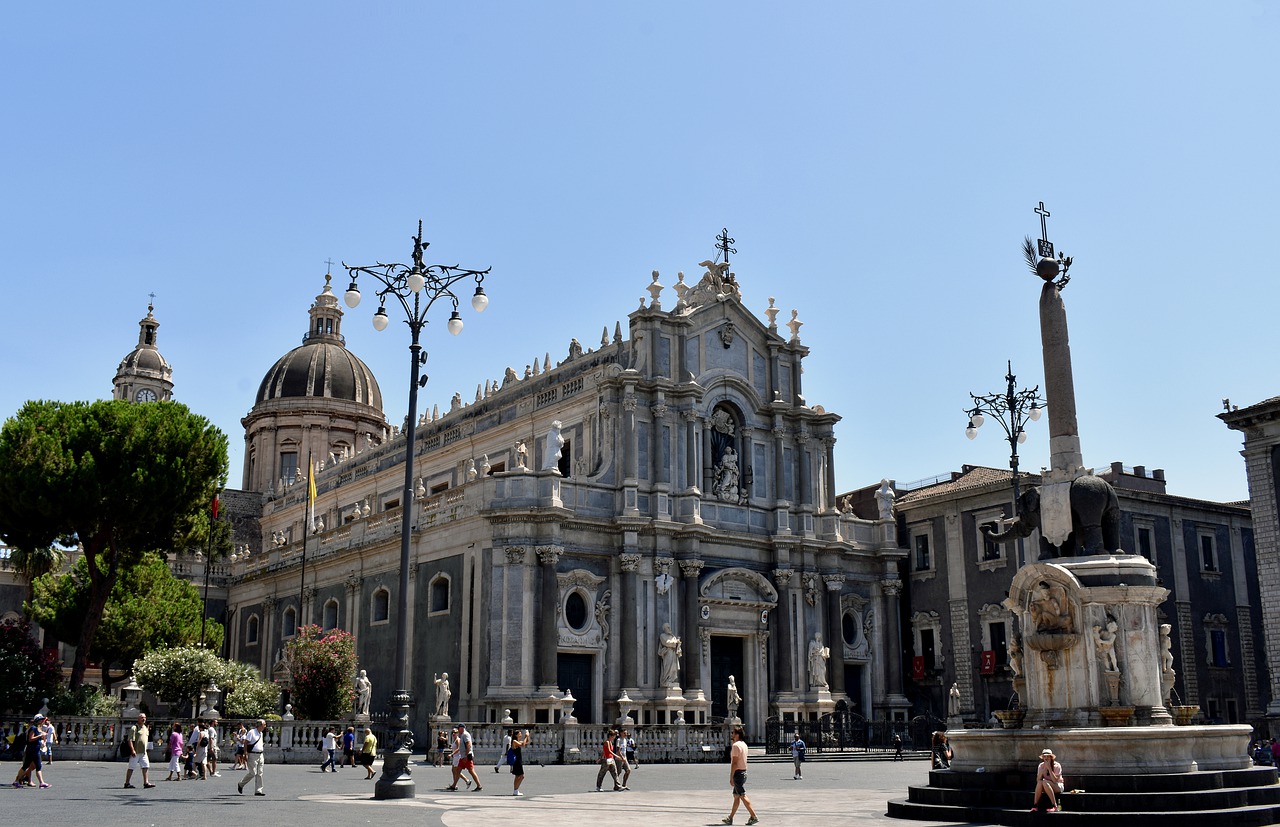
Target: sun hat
39,717
1046,752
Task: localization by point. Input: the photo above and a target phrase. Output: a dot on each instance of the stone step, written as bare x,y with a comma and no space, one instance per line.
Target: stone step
1101,802
1248,816
1121,784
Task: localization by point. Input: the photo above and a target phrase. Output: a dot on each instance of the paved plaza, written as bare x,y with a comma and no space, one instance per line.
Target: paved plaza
832,793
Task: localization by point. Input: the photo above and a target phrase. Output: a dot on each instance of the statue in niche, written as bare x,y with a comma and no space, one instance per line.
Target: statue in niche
818,655
953,701
1051,609
1014,650
1166,648
669,654
555,442
1104,641
364,692
726,484
884,500
442,694
732,698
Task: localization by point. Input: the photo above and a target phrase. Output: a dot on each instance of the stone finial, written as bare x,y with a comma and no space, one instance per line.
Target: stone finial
604,337
537,368
681,288
795,324
546,362
772,313
478,394
617,333
655,290
435,412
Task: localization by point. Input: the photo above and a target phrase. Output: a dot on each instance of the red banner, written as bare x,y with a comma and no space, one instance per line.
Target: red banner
917,668
988,662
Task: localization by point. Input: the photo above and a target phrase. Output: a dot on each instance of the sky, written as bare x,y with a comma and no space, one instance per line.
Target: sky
877,163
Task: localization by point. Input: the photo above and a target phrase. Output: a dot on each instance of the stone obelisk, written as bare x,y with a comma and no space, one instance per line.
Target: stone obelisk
1065,462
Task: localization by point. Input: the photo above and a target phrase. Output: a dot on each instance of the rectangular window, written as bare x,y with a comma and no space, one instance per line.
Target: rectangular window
1146,546
999,643
923,559
1208,555
991,550
928,650
288,465
1218,638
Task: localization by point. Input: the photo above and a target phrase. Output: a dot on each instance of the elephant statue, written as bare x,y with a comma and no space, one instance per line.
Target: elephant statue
1095,520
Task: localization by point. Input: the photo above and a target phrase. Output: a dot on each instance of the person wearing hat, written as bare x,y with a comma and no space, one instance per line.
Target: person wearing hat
31,755
1048,782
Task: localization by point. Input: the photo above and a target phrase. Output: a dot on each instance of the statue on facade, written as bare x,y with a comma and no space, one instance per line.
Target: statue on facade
1104,641
818,655
522,454
442,694
669,654
364,692
1014,650
732,698
953,701
726,484
555,443
884,500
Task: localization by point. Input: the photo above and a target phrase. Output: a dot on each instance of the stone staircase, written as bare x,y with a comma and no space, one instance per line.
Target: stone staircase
1242,798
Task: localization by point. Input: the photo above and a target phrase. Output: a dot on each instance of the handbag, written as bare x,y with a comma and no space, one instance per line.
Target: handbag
511,757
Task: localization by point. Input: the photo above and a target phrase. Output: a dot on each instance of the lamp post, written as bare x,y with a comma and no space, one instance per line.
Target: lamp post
1012,409
416,287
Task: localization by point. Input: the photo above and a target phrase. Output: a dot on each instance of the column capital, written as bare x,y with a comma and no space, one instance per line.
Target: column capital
659,411
548,555
783,577
629,403
689,415
269,602
353,582
835,582
515,555
691,568
891,588
630,562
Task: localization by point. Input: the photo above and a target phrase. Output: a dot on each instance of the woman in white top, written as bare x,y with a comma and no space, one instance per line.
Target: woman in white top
1048,781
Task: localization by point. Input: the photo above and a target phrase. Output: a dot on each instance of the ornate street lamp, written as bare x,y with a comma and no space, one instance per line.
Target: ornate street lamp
416,287
1012,409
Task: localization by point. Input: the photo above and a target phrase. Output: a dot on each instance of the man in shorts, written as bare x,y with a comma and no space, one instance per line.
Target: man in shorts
738,776
466,757
137,739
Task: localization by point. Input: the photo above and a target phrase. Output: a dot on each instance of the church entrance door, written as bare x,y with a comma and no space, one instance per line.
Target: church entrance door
726,660
574,672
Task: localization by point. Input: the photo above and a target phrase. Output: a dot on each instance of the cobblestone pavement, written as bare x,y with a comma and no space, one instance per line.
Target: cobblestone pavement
832,793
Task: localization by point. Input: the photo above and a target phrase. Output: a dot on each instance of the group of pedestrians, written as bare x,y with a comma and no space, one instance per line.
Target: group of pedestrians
617,753
37,749
193,755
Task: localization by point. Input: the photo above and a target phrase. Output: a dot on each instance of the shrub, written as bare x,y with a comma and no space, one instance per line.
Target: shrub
84,700
27,672
178,674
248,695
323,666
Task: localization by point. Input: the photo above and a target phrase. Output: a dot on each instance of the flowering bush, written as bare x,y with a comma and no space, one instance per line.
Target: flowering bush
178,674
323,665
248,695
27,672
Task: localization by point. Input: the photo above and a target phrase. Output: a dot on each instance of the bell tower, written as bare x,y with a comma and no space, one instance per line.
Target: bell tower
143,374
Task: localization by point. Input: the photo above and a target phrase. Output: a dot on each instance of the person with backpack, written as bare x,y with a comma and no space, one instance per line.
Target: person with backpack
797,755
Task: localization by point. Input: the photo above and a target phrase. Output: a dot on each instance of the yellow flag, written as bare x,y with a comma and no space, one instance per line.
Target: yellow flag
311,485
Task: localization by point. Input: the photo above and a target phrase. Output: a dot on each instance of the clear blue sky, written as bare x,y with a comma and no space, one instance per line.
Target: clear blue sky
877,163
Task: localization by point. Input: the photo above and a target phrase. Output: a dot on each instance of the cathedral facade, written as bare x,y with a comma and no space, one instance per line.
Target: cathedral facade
625,531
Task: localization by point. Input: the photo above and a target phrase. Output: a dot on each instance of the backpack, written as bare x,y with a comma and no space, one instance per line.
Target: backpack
204,742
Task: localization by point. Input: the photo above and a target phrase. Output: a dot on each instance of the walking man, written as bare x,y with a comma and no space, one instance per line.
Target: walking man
738,776
797,755
254,747
137,739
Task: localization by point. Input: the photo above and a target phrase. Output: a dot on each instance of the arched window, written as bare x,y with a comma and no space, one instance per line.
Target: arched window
330,618
381,606
439,592
289,622
251,631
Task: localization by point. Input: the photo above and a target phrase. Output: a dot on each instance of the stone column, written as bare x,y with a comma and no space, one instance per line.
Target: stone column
891,590
266,632
691,482
835,633
805,483
548,634
630,622
692,663
630,456
829,455
781,617
353,584
661,449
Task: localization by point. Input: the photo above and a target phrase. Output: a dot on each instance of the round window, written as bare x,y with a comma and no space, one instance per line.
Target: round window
575,611
849,628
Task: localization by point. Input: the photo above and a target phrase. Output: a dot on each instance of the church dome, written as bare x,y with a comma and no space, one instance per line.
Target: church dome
321,369
321,366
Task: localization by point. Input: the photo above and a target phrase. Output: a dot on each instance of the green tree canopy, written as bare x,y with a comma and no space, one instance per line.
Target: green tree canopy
149,608
323,666
120,478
